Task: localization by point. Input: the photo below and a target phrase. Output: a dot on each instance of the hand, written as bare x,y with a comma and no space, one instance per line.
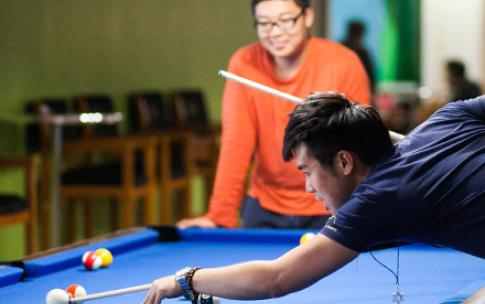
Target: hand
202,222
163,288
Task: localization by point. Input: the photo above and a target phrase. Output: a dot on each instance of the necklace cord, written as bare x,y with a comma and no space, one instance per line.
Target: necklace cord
395,274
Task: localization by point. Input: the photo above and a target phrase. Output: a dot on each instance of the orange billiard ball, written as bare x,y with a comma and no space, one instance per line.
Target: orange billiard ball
76,291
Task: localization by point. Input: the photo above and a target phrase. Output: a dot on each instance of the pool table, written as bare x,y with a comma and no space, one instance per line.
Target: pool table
427,274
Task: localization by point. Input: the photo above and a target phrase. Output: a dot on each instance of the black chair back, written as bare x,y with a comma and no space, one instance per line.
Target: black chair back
150,111
191,107
38,134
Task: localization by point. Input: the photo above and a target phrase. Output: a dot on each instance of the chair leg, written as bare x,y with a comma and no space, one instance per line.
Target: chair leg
69,219
148,211
45,226
31,235
166,206
127,211
114,210
186,201
88,218
45,204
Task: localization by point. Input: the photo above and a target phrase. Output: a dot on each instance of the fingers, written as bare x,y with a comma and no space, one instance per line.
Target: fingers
184,223
148,299
153,296
157,300
196,222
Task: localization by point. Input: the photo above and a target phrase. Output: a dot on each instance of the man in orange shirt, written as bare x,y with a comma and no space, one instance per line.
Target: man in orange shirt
288,59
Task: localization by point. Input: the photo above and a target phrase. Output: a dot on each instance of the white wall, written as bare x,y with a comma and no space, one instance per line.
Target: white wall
452,29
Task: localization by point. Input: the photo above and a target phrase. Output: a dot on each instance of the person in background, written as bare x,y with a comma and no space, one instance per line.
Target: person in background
354,39
288,59
460,87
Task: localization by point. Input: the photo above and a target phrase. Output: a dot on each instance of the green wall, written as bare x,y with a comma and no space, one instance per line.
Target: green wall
65,47
70,47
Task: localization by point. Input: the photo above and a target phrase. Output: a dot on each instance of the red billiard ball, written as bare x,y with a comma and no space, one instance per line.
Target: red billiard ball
91,260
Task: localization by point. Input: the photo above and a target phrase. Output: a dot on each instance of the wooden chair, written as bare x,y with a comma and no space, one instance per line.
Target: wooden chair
124,179
203,140
39,139
103,164
15,209
151,114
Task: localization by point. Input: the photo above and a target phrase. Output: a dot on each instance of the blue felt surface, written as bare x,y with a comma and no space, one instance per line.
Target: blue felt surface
428,275
243,235
70,258
9,275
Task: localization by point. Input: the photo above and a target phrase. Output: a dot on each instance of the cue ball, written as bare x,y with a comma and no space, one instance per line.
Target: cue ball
306,237
57,296
91,260
106,256
75,291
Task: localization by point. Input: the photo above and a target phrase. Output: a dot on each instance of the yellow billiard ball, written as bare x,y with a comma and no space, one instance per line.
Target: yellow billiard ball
306,237
106,256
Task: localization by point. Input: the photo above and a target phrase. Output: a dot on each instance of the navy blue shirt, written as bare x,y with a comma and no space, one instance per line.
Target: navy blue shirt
429,188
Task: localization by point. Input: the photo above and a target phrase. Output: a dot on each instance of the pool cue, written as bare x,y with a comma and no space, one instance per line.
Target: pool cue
394,136
260,87
111,293
117,292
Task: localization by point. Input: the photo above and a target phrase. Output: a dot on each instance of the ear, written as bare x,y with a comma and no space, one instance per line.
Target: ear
344,162
309,17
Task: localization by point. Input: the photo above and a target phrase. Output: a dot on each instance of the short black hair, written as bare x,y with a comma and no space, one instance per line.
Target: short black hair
303,4
456,68
327,123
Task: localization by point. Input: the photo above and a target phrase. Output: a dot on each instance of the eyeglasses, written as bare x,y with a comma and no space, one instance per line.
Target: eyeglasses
284,24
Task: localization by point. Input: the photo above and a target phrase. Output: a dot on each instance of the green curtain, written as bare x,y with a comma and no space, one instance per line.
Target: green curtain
399,57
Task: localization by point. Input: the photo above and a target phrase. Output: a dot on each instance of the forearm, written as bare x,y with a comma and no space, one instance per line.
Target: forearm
245,281
237,148
293,271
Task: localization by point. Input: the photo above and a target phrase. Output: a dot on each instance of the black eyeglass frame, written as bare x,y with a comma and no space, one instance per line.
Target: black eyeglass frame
270,24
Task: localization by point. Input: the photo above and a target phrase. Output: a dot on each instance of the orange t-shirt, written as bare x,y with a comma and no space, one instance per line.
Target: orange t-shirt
253,125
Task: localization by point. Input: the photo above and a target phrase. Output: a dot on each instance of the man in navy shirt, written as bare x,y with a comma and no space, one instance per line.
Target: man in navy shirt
428,188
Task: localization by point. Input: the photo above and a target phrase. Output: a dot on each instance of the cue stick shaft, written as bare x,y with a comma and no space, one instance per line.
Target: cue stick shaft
111,293
260,87
394,136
